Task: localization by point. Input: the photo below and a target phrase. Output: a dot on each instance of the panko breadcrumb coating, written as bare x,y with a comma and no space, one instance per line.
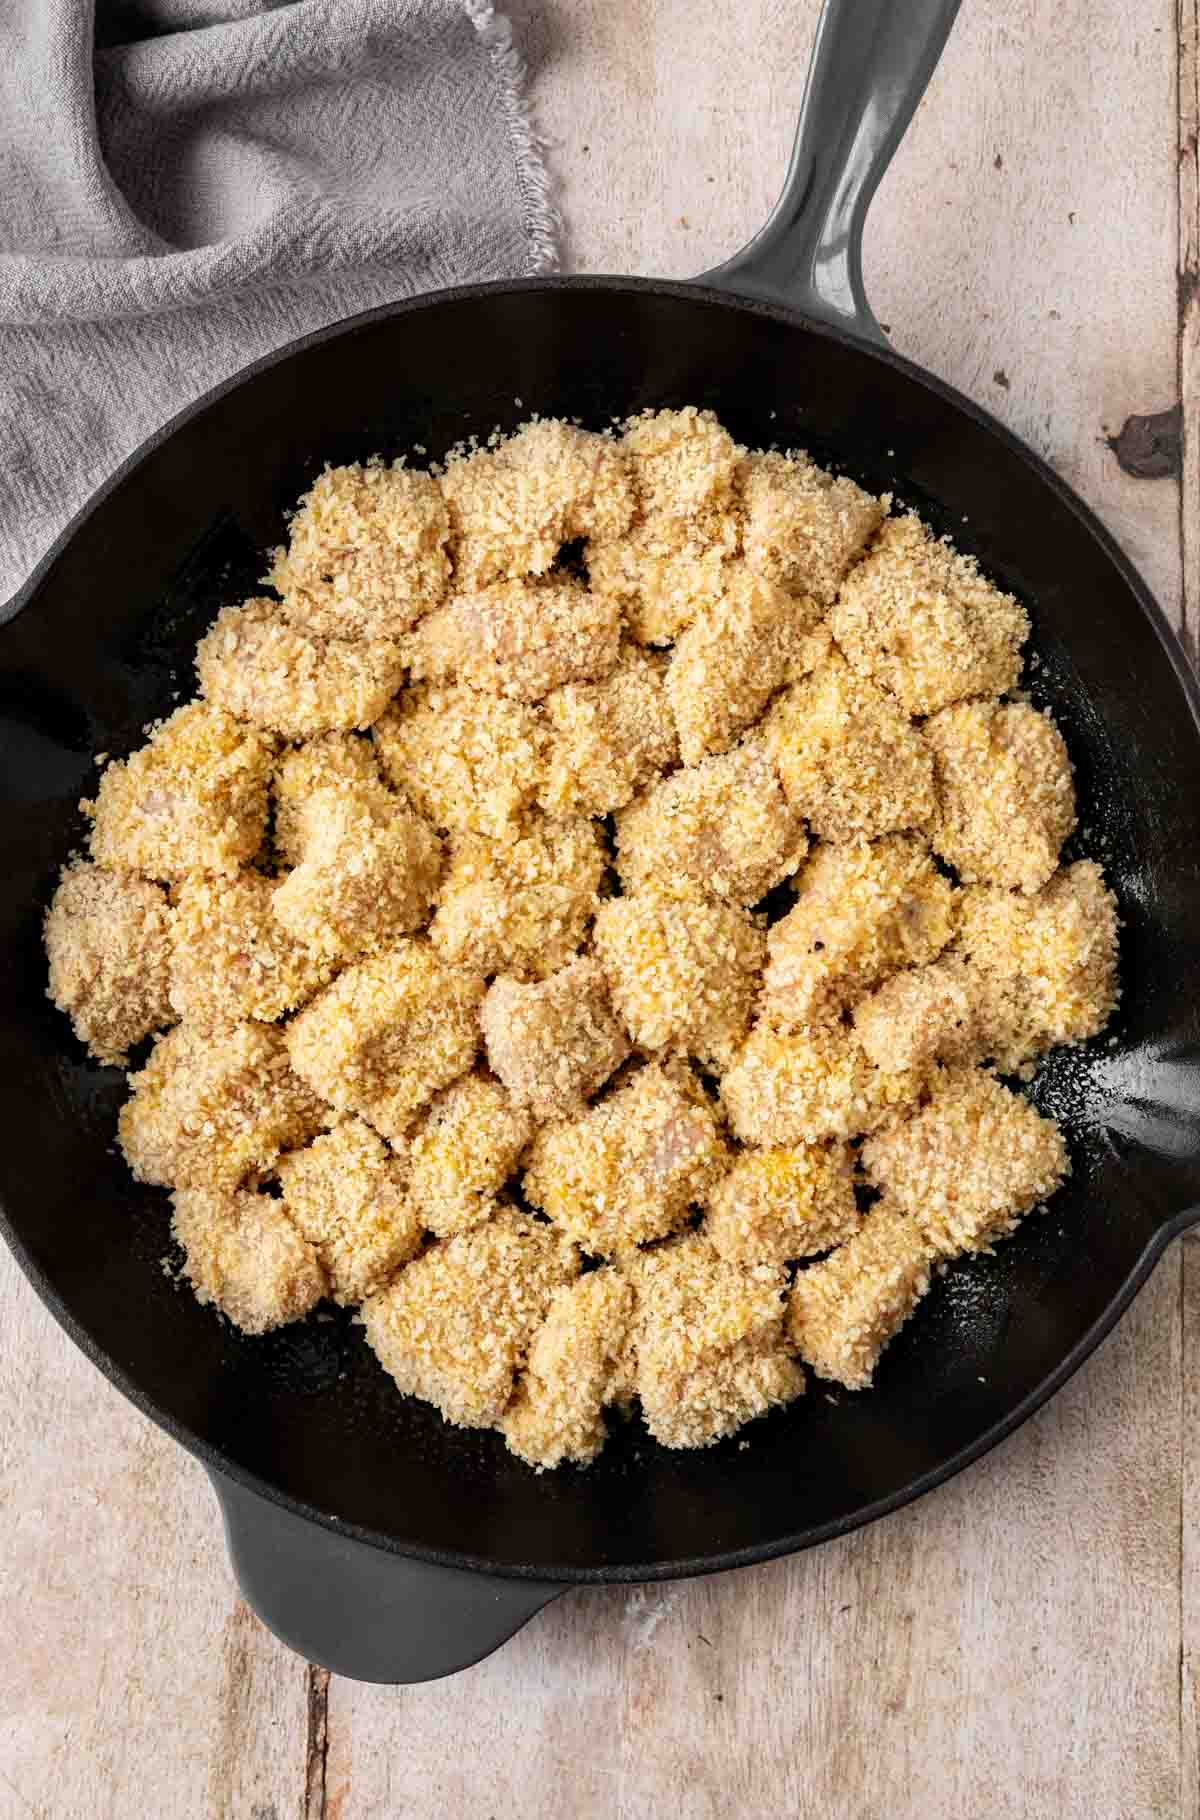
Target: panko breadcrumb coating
775,789
193,799
920,620
777,1205
849,759
683,969
230,959
709,1342
332,761
803,527
664,571
810,1085
464,1152
366,554
605,739
514,505
471,763
1045,966
862,911
1005,792
209,1107
108,945
522,906
735,654
588,471
924,1015
388,1033
630,1168
724,824
245,1255
369,872
557,1411
843,1311
257,665
518,638
455,1326
970,1164
683,462
553,1042
346,1192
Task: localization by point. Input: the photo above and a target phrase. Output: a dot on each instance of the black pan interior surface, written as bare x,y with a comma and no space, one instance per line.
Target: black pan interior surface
104,645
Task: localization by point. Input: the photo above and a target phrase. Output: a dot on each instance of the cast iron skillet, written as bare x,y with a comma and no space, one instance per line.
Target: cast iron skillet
365,1532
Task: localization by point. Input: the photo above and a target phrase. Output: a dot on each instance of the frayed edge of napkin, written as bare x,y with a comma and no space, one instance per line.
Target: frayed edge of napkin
542,219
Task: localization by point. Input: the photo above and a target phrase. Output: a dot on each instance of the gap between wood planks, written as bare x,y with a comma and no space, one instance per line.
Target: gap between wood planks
1188,17
316,1743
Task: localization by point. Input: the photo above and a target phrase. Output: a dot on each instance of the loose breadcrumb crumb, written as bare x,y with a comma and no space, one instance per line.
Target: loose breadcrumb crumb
843,1311
724,824
193,799
464,1152
557,1411
777,1205
367,552
209,1107
804,528
368,874
733,657
809,1086
970,1164
246,1257
346,1192
862,911
629,1169
108,944
921,620
849,760
455,1326
924,1015
683,969
230,959
1005,792
1043,968
555,1042
709,1342
605,739
331,762
470,763
388,1033
518,638
521,907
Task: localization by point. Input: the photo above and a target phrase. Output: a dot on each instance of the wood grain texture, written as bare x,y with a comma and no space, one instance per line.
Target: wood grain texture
1023,1642
132,1679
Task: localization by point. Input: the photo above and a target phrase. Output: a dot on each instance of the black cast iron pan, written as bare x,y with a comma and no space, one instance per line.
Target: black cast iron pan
365,1532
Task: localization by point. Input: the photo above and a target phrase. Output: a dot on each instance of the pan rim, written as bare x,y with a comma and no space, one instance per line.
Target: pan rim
686,1566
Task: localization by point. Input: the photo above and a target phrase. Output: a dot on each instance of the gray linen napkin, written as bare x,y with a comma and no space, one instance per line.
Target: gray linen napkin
203,180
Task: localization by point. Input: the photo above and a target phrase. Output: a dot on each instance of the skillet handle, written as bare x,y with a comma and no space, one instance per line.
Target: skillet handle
870,65
359,1611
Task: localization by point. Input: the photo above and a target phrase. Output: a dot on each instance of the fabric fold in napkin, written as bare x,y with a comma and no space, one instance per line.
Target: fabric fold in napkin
193,183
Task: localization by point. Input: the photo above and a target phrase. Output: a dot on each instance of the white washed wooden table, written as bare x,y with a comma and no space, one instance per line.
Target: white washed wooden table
1021,1643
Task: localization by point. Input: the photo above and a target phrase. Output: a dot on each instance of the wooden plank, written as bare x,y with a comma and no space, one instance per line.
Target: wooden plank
1189,318
133,1680
1189,1575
